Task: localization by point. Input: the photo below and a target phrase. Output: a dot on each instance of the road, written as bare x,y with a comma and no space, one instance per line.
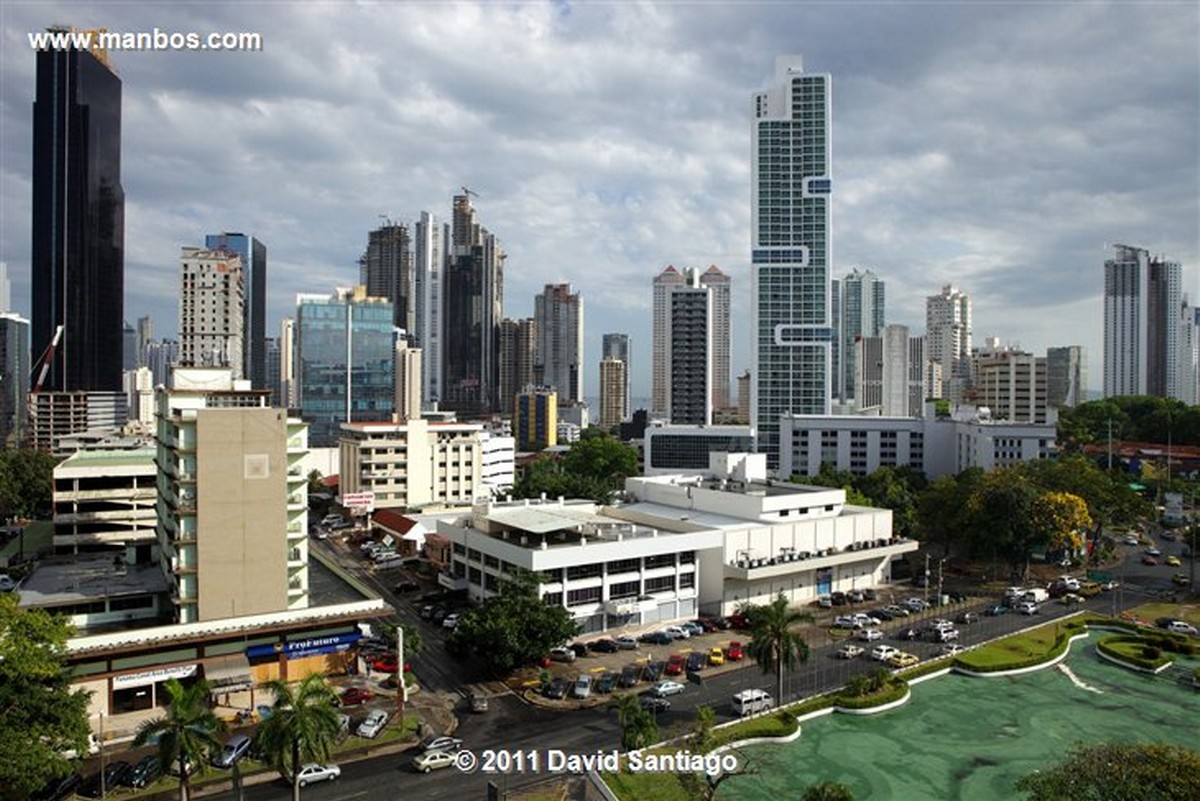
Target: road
513,724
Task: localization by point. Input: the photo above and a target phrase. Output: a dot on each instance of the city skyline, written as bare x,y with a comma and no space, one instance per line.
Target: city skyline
598,165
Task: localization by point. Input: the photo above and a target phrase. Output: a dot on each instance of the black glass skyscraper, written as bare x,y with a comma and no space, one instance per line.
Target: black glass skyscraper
78,244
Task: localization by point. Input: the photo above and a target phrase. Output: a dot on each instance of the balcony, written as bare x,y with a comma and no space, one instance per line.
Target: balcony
746,568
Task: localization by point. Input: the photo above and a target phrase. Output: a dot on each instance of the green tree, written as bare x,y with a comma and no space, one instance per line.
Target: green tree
999,519
40,717
941,508
827,791
858,686
187,733
773,645
898,489
302,727
702,728
1118,772
515,627
638,728
1061,519
26,482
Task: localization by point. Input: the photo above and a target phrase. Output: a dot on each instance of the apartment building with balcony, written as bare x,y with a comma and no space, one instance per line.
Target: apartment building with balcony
233,502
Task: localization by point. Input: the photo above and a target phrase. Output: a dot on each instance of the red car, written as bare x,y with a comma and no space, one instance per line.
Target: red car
386,664
355,696
1149,560
676,664
734,652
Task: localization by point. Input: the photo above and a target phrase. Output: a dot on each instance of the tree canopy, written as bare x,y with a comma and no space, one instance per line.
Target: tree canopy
515,627
26,482
186,733
773,645
40,717
1118,772
302,727
595,468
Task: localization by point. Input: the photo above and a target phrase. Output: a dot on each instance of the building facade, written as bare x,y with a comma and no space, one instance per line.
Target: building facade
430,240
858,311
232,503
1143,296
660,365
54,417
890,376
407,403
558,358
1066,371
948,340
14,379
518,345
1012,385
253,255
106,499
791,188
211,314
614,389
670,449
386,269
345,361
78,211
535,418
616,346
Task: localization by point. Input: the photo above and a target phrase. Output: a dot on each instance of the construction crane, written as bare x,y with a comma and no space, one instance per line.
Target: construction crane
469,193
47,358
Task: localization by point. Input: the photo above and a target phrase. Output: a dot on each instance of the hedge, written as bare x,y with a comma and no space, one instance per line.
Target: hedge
1132,650
897,689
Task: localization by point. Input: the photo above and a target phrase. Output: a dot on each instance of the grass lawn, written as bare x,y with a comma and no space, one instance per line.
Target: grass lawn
1189,610
1029,647
1130,649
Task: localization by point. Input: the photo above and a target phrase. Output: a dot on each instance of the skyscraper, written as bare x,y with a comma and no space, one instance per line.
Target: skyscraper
616,346
558,359
858,311
1065,370
664,283
719,284
518,342
690,353
890,373
948,339
254,301
78,211
210,310
14,379
613,406
430,239
790,250
5,289
386,270
1142,300
473,307
145,334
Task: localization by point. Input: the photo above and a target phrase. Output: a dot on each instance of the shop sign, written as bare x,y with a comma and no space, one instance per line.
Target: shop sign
153,676
311,646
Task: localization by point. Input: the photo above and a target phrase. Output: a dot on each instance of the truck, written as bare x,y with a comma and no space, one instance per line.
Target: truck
1037,595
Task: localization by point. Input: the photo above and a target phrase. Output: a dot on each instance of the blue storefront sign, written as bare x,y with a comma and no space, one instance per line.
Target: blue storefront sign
311,646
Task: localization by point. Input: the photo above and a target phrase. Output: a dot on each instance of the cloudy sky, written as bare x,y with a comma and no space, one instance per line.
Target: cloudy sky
1001,147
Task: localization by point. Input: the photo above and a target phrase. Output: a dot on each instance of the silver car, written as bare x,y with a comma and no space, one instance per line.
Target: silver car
317,773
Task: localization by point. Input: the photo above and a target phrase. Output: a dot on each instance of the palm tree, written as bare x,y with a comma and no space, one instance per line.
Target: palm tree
774,646
186,733
638,728
302,727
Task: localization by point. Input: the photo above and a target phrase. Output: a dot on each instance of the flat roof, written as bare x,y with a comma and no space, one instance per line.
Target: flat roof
543,519
89,577
138,457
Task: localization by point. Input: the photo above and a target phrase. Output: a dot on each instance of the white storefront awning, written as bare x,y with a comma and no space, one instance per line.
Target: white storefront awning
228,673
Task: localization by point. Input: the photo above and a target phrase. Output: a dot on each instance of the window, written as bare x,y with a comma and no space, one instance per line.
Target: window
687,580
660,584
553,598
624,566
590,595
576,572
624,589
662,560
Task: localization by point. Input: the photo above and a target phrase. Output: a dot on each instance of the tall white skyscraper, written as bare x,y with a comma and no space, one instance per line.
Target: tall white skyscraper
558,357
790,250
858,311
719,283
1143,299
211,315
429,256
948,339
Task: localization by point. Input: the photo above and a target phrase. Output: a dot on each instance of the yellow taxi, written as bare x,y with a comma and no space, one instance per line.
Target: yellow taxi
716,657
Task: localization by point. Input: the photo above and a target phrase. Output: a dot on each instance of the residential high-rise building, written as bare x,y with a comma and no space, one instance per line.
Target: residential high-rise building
1143,296
890,373
430,240
613,386
289,387
14,379
558,358
407,403
472,310
1011,384
5,289
345,361
232,506
129,347
664,283
518,342
948,339
145,334
210,310
161,356
254,301
78,212
386,270
690,353
535,418
275,372
858,311
743,397
790,250
616,346
719,285
1065,376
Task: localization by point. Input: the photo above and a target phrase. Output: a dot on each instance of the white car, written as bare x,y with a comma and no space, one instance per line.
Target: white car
667,687
882,653
677,632
952,650
870,635
847,622
1132,539
1027,608
450,621
433,760
915,604
1181,627
372,724
848,651
317,773
583,687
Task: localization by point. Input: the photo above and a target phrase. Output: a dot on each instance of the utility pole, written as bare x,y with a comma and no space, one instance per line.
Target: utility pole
926,579
939,594
402,689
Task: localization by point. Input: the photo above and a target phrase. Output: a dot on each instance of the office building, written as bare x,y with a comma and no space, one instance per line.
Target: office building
535,418
430,240
518,345
145,335
211,315
890,373
414,463
289,388
616,346
232,498
1011,384
14,379
407,403
670,448
858,311
935,446
386,270
1143,296
473,307
78,211
613,388
948,340
558,358
790,250
253,256
1066,371
334,389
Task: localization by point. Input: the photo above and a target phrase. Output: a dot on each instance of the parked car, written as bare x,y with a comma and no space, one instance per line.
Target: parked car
953,649
848,651
386,664
583,686
825,601
1152,551
881,614
562,654
144,772
946,635
440,742
897,611
916,604
1173,561
1149,560
677,632
967,618
606,682
657,638
846,622
626,643
402,587
450,621
908,634
882,653
1180,579
372,724
716,657
868,594
697,661
235,748
902,659
478,702
59,788
1181,627
605,646
692,628
111,777
313,772
653,703
653,671
629,677
734,652
869,635
675,664
580,648
356,696
995,610
1027,608
854,596
556,689
434,760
